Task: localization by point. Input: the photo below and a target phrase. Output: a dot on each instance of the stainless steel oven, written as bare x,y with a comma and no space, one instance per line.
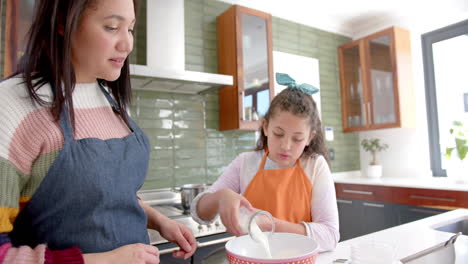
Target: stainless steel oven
210,251
211,239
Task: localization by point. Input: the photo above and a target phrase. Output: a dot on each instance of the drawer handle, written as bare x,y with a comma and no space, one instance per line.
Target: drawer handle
344,201
424,211
214,242
168,250
432,198
357,192
373,205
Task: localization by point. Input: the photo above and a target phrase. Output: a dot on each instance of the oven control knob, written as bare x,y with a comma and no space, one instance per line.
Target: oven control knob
217,224
200,227
208,226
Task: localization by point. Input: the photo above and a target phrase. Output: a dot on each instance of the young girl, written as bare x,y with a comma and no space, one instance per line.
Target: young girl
71,160
287,174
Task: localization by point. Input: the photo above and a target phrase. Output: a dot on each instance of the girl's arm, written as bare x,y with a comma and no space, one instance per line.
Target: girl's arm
204,207
222,198
324,227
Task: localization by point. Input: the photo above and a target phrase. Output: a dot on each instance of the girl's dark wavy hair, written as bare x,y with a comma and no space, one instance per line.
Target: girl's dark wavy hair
302,105
47,57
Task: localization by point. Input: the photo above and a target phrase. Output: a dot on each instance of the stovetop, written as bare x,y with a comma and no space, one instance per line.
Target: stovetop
177,213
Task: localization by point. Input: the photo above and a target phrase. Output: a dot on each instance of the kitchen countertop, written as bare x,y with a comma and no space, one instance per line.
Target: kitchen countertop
408,239
439,183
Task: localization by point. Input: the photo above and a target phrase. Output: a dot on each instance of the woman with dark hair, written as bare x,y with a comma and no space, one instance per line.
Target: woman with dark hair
71,159
287,175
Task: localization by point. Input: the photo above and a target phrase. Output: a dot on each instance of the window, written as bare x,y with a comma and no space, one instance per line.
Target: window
445,57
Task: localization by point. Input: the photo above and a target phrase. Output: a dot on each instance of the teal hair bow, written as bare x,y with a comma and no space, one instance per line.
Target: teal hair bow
284,79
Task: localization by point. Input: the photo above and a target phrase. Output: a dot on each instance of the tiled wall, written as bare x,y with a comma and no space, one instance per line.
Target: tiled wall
187,146
302,40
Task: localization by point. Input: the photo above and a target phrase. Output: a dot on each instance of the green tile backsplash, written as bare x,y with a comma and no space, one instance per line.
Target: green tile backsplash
193,149
187,146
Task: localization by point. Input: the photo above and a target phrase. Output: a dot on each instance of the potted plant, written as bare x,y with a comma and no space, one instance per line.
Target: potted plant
373,145
457,152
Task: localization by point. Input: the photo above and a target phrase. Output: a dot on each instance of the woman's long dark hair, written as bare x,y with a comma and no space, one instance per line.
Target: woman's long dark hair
47,58
302,105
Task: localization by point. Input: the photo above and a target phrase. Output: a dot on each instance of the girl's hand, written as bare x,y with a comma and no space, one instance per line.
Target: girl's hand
180,235
128,254
229,203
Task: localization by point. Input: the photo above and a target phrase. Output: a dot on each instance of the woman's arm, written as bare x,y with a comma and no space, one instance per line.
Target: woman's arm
39,254
172,231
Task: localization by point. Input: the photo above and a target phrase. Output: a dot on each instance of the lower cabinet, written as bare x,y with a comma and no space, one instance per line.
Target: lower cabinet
350,218
361,217
409,213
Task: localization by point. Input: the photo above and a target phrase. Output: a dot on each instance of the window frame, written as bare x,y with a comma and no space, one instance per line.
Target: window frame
427,39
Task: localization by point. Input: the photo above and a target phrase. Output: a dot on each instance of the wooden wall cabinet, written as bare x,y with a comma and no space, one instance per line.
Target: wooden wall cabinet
17,23
376,81
245,52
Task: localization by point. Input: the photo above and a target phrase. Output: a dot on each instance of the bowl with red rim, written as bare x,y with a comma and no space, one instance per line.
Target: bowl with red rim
285,248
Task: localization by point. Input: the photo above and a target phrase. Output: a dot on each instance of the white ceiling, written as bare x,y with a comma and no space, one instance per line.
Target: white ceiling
354,17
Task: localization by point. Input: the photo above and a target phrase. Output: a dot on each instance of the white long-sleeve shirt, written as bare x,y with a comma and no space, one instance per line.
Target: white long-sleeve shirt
324,227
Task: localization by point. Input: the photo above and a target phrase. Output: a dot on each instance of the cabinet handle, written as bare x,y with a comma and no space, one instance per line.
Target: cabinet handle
357,192
344,201
424,211
199,244
413,196
373,205
365,114
369,113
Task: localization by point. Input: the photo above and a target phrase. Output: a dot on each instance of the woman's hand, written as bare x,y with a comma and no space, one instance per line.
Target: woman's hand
128,254
229,203
180,235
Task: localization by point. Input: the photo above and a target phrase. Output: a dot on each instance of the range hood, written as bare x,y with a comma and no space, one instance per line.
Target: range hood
165,69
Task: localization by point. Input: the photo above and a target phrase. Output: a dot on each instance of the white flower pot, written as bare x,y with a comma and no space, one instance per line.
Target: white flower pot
374,171
457,171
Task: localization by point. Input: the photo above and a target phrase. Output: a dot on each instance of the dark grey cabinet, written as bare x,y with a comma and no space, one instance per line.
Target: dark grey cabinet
362,217
350,217
409,213
378,216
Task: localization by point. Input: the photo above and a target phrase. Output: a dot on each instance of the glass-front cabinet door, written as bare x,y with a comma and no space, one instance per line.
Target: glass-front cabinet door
354,109
376,81
256,81
381,75
245,51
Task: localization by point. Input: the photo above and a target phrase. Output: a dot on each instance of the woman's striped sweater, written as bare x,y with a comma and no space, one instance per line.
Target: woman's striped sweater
30,140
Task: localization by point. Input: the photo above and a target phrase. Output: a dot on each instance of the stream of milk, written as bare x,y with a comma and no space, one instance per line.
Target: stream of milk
260,238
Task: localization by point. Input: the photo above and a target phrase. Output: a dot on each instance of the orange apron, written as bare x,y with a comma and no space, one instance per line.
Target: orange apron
285,193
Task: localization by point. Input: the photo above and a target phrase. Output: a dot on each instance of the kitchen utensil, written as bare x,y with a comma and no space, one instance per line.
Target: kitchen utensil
285,248
188,192
444,253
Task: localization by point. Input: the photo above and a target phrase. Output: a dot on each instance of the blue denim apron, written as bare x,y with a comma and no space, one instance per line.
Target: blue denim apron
88,197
